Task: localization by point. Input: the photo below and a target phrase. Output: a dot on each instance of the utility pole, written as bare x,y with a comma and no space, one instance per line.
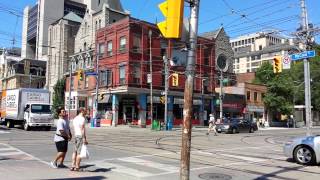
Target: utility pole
188,91
221,94
307,95
95,107
70,82
166,85
150,64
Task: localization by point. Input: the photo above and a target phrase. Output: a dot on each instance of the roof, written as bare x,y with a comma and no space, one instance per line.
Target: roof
212,34
71,16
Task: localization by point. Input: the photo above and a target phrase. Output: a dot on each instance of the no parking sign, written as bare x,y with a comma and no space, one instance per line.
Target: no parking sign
286,62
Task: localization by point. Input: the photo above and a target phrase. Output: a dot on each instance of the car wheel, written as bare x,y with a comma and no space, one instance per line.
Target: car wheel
9,124
26,127
234,130
251,130
304,155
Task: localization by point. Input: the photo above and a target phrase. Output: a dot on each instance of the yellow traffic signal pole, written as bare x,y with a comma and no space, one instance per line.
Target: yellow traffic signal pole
188,92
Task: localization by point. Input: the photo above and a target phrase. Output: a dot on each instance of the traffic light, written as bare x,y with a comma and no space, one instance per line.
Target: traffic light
277,64
173,11
80,75
175,79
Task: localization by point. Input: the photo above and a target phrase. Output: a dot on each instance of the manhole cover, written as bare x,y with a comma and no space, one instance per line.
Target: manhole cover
214,176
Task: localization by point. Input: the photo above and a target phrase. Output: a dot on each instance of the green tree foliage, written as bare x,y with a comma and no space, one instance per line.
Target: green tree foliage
288,87
58,96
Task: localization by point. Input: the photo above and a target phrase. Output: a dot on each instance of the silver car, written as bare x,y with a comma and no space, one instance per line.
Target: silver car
304,150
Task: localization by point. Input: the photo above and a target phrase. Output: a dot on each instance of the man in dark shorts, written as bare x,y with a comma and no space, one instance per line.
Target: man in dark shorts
61,138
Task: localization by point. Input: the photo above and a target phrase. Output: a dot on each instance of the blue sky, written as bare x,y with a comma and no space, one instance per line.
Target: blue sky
238,17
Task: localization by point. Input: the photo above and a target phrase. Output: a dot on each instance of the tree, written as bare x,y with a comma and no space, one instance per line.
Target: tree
58,96
279,88
287,88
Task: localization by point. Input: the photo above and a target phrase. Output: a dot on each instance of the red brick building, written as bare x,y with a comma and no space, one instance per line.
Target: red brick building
124,48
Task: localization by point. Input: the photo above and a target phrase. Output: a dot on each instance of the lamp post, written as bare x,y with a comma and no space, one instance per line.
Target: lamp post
150,64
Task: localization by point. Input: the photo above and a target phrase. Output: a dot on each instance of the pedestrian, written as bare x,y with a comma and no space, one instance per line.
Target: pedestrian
80,138
61,138
212,125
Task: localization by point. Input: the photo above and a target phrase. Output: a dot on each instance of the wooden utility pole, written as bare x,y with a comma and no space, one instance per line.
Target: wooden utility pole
188,91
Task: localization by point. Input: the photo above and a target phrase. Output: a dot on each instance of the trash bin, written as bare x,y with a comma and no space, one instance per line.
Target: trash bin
155,125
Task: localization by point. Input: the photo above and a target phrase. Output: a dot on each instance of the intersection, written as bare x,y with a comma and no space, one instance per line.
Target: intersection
132,153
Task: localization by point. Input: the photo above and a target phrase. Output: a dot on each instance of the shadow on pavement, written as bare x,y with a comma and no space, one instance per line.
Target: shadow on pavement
82,178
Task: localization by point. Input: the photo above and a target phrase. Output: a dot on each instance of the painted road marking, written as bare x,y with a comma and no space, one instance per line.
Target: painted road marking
16,151
123,169
4,132
152,164
246,158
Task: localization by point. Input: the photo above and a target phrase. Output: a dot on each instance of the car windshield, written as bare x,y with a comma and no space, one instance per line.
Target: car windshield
40,108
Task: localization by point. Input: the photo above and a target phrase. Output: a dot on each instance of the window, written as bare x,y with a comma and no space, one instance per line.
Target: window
109,48
122,76
260,48
255,96
136,46
105,78
253,58
72,83
86,82
101,49
248,95
206,57
123,43
72,102
136,74
96,26
82,103
99,24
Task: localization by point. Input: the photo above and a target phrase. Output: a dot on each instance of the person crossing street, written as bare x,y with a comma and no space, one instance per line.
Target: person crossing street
212,125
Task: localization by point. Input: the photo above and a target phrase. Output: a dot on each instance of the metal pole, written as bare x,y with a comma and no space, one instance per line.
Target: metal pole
95,107
188,92
29,79
307,90
221,94
70,82
166,74
150,64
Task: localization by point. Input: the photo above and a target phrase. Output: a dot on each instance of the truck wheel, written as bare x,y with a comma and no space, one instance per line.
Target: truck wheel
26,127
9,124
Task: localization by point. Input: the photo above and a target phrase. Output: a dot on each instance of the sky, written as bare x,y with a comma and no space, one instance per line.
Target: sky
238,17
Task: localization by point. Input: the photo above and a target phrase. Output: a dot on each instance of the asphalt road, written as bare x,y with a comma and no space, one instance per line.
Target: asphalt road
131,153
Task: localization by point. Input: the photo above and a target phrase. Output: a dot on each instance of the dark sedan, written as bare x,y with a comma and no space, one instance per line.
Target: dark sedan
236,125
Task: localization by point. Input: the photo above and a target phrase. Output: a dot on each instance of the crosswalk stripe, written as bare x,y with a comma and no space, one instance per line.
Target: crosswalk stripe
122,169
7,149
11,153
252,159
151,164
4,132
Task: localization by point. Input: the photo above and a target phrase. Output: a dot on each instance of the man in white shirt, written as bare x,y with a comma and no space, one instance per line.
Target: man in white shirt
61,138
212,125
80,138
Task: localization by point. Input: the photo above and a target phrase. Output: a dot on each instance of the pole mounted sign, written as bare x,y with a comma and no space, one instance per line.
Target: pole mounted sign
303,55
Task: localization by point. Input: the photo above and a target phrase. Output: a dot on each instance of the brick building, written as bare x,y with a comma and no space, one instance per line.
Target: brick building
123,67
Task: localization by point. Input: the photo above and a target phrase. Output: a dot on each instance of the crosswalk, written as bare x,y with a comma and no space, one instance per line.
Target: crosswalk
8,152
4,132
157,165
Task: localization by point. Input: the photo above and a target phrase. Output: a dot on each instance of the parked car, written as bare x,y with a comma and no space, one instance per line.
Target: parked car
236,125
304,150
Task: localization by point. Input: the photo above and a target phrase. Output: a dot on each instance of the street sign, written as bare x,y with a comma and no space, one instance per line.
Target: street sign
303,55
91,73
149,78
286,62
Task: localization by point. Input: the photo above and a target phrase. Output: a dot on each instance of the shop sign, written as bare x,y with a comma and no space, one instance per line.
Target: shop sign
253,108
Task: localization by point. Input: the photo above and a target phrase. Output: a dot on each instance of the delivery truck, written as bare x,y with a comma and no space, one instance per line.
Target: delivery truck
27,107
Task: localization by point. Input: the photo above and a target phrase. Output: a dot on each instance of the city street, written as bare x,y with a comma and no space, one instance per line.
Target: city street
134,153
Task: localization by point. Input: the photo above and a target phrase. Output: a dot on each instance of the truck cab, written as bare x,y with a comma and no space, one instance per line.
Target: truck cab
37,115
